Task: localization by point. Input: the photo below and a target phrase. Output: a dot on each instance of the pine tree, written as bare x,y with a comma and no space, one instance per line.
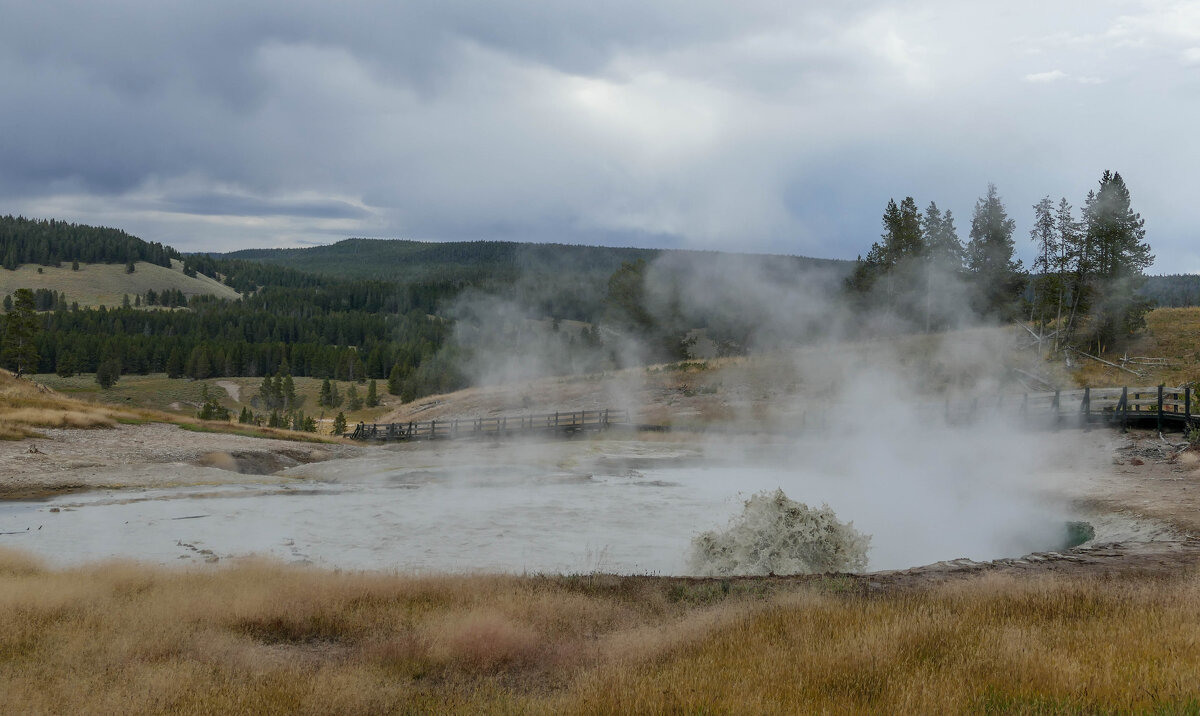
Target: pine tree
1074,269
325,398
64,366
372,395
891,268
1115,236
18,350
108,372
395,379
943,266
1046,276
354,402
339,423
198,363
175,364
266,394
997,280
289,390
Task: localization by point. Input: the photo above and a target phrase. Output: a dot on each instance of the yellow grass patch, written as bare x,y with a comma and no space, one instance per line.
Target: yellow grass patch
26,406
258,637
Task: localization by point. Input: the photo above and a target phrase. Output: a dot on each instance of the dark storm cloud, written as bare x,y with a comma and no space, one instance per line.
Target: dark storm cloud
760,125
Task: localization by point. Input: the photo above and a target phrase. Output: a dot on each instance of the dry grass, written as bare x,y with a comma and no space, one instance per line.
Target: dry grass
262,638
26,406
1171,333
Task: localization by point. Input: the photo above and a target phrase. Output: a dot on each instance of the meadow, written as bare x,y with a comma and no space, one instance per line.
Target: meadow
258,637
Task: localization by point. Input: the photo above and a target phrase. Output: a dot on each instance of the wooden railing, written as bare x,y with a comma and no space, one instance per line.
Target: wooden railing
560,422
1155,406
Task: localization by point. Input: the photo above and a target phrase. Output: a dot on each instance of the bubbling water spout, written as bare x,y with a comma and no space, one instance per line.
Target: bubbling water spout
777,535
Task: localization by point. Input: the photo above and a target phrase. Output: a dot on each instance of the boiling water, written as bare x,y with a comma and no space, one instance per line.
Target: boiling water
582,509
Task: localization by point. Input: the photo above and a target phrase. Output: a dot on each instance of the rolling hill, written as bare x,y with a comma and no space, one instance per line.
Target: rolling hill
107,284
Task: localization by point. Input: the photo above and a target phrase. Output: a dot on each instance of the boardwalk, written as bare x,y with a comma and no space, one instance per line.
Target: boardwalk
1156,406
561,423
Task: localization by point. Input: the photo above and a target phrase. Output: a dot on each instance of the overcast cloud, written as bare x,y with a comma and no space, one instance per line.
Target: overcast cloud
750,126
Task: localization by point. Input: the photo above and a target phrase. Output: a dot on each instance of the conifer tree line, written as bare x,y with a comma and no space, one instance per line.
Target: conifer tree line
49,243
1083,284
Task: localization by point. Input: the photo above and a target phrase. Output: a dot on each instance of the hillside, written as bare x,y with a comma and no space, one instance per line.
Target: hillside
553,280
108,284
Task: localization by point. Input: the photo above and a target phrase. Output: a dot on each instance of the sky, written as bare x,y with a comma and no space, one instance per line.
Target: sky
774,127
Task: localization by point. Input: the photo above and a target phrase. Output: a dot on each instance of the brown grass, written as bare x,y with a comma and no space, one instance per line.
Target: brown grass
26,406
258,637
1171,333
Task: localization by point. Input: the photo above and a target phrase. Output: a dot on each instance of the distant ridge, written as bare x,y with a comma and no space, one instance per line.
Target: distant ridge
502,260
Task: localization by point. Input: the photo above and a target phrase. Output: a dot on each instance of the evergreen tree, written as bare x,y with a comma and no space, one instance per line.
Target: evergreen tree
339,423
64,365
175,363
198,363
354,402
288,395
325,398
890,272
1115,236
1045,266
997,280
943,266
245,417
266,394
19,348
1074,270
372,395
395,379
213,410
108,372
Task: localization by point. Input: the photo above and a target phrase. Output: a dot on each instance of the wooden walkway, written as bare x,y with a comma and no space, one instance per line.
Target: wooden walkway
552,423
1156,406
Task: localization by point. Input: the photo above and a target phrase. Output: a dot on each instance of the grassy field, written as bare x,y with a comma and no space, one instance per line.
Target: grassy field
1172,334
263,638
107,284
183,397
27,405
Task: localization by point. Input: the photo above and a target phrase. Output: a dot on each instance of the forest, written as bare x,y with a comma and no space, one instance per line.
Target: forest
387,310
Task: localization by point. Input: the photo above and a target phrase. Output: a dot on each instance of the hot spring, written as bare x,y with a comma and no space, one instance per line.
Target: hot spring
562,507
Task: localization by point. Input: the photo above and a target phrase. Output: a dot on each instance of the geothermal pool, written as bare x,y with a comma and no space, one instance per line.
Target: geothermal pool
567,508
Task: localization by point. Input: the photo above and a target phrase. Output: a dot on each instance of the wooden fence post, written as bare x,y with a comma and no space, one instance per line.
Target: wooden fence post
1160,408
1086,408
1187,408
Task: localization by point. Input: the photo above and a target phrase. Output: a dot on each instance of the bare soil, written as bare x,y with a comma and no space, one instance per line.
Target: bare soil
152,455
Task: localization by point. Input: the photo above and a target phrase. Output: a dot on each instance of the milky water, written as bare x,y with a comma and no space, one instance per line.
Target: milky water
582,508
